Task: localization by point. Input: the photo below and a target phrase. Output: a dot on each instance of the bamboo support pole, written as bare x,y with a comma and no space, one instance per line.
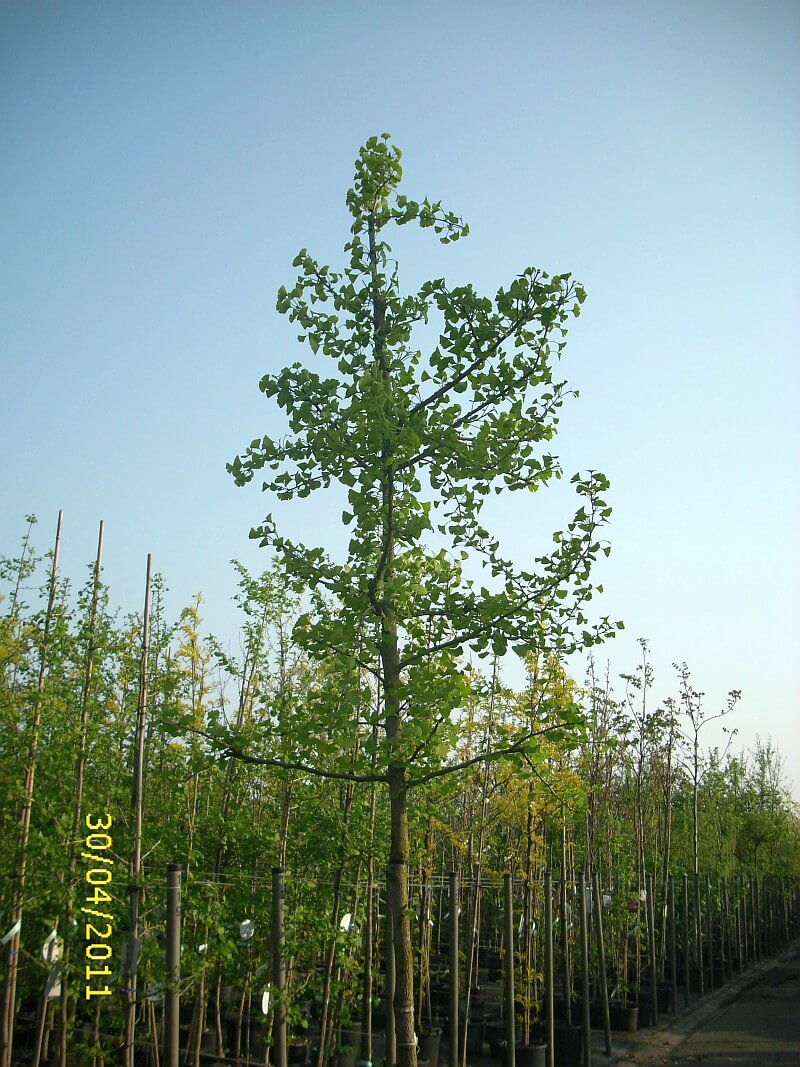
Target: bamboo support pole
508,970
584,935
741,933
10,991
785,911
77,810
391,985
279,1026
673,952
747,955
548,966
601,956
698,933
134,888
685,918
172,999
453,1059
651,946
365,1047
754,923
710,933
564,932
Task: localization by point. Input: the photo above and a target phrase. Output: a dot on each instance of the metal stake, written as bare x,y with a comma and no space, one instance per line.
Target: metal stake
172,1001
508,972
453,1060
587,1025
548,966
279,966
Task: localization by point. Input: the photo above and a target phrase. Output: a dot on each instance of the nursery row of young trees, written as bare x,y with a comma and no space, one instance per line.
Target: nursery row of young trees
268,758
362,738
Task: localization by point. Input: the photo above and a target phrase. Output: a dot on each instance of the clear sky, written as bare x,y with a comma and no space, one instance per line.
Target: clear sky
161,165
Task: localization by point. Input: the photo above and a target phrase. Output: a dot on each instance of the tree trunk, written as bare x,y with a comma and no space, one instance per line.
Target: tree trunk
397,889
384,607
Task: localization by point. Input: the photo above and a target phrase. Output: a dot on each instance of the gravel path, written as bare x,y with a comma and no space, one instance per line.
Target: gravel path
753,1024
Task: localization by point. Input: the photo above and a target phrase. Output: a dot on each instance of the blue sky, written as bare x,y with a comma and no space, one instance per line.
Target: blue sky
162,164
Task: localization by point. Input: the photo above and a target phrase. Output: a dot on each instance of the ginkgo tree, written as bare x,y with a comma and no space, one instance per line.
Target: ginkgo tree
420,438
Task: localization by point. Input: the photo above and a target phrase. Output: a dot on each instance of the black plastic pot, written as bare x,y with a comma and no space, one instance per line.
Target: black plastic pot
298,1053
429,1045
475,1031
350,1035
596,1013
531,1055
495,1034
258,1036
537,1034
645,1014
208,1041
568,1045
624,1016
440,996
664,994
477,1002
558,1007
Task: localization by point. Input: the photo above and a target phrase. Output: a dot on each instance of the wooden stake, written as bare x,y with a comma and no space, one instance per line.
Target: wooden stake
601,953
10,992
77,810
584,933
453,1059
391,979
651,946
135,869
548,966
279,967
508,971
564,931
673,951
173,999
685,918
698,932
710,927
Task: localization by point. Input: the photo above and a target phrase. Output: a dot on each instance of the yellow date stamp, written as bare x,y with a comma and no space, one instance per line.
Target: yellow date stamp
99,875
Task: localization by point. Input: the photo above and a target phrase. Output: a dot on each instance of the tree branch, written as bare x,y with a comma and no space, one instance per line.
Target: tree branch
230,751
494,754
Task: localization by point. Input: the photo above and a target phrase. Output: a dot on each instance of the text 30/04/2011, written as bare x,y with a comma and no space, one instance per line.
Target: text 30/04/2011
98,881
